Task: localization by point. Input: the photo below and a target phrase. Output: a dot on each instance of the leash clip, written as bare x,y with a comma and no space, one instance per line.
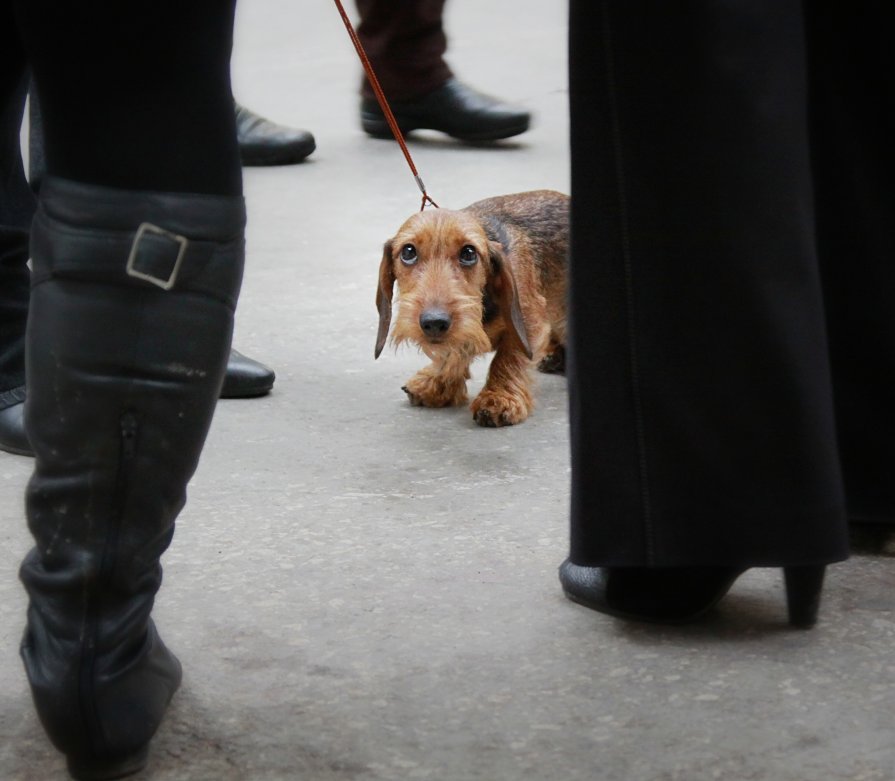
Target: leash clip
426,198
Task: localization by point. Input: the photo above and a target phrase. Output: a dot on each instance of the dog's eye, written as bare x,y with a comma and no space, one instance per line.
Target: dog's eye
468,255
408,254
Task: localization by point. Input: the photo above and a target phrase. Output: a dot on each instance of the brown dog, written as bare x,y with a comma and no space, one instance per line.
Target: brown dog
491,276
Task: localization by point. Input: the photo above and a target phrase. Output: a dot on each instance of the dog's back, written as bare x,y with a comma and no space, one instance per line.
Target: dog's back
534,227
539,219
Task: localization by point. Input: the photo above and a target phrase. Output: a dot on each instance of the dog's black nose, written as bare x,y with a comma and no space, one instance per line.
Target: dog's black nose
435,323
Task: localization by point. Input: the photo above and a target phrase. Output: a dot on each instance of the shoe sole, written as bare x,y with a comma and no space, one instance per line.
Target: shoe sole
16,451
106,770
276,157
246,393
378,127
608,610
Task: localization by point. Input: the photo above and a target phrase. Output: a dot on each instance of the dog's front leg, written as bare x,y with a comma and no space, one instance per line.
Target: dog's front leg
441,384
506,398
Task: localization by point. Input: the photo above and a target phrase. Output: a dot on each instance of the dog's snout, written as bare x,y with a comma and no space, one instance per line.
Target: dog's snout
435,323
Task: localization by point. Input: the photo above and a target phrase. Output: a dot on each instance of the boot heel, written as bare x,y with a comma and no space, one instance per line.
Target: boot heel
803,589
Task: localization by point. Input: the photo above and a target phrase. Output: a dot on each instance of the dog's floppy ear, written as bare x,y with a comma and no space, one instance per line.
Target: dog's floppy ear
506,294
384,296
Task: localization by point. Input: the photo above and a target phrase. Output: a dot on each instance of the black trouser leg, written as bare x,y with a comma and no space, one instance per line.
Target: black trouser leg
700,391
405,41
112,77
37,163
852,130
16,210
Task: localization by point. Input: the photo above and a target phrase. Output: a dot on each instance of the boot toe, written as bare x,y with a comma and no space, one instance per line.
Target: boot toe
108,768
13,438
264,142
585,585
246,378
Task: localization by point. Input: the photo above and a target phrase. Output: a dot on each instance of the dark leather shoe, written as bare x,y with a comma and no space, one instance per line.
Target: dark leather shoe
455,109
677,595
13,438
263,142
246,378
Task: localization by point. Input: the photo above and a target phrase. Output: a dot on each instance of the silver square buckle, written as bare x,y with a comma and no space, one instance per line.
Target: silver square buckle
148,228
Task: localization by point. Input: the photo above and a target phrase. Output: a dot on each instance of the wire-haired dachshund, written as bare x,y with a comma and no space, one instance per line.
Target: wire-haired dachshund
488,277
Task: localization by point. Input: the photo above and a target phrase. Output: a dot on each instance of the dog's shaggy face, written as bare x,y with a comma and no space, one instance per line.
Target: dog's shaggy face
447,272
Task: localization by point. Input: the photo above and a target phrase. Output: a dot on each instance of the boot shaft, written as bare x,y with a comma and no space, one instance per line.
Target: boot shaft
128,337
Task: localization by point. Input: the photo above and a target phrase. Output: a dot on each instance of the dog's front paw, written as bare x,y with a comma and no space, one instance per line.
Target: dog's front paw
427,389
493,409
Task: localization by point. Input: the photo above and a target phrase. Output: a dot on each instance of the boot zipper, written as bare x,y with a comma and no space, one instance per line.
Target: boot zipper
128,428
128,435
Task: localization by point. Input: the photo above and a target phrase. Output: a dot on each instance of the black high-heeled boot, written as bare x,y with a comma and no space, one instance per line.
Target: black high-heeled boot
677,595
128,337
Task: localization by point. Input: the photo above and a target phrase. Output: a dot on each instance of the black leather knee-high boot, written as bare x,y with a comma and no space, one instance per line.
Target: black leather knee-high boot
129,331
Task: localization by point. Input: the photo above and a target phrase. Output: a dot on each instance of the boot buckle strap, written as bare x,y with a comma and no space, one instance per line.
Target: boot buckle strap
156,255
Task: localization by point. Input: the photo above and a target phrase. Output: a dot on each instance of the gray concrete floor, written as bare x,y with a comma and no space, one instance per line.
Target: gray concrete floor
363,590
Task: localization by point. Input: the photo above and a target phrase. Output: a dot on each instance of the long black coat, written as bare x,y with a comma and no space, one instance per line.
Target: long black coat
732,361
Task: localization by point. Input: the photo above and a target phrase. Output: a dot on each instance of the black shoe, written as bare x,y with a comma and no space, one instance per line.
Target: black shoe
13,438
455,109
677,595
263,142
117,413
246,378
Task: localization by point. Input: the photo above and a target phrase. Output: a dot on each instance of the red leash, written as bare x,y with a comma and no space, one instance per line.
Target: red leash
383,104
